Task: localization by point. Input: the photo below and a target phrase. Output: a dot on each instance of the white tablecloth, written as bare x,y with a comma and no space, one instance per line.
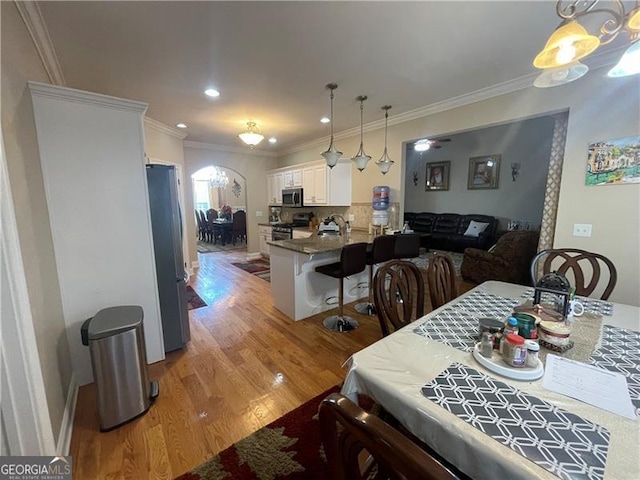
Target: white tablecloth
393,370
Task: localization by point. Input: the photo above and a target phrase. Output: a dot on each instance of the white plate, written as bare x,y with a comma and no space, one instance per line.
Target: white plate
497,365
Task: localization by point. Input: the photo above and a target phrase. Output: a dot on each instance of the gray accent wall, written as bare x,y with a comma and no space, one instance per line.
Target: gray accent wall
527,142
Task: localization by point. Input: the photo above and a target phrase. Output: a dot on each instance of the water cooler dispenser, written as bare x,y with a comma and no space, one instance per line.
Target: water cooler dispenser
380,203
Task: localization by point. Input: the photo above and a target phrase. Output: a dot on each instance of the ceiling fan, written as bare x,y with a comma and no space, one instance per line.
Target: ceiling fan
425,144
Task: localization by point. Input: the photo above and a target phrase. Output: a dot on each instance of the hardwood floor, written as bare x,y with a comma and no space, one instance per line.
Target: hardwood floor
247,364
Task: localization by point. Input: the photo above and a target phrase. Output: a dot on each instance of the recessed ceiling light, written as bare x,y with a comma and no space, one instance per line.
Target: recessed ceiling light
273,140
325,120
181,125
211,92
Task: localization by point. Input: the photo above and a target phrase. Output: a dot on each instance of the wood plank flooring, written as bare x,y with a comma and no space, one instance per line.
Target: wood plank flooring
247,364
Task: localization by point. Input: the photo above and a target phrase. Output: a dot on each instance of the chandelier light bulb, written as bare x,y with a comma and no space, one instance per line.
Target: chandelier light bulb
566,52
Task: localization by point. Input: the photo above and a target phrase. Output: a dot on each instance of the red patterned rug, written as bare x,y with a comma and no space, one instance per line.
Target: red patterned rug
193,299
289,448
260,268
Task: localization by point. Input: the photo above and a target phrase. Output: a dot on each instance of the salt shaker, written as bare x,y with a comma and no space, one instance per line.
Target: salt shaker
486,345
532,353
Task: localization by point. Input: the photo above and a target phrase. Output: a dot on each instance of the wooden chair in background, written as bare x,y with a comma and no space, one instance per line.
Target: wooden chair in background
355,442
441,278
239,229
398,295
582,269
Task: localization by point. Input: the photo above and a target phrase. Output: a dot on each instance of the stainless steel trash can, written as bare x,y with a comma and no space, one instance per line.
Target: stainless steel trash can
115,338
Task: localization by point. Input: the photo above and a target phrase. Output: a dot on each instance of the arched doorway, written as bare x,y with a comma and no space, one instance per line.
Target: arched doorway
221,189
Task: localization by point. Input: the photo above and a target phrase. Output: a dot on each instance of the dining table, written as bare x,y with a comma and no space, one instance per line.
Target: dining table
490,426
222,229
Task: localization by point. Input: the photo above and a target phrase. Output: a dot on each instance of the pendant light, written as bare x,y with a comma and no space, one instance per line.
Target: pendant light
384,164
332,155
552,77
360,158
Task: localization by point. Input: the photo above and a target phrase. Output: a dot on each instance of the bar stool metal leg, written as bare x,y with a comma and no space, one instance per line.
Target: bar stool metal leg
340,322
367,308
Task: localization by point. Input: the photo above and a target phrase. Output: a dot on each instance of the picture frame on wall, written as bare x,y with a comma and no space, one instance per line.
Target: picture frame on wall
614,162
437,176
484,172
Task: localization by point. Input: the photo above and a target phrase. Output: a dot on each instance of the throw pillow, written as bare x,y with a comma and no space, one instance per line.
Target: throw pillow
475,228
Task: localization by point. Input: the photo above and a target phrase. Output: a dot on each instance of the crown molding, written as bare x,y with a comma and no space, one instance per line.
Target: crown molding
32,18
161,127
226,148
80,96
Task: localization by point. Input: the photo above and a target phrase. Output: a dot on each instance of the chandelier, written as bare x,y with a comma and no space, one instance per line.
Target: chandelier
331,155
571,42
217,178
360,158
252,135
384,164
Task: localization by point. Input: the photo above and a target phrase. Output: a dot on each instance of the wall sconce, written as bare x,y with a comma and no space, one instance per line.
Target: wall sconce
415,178
515,170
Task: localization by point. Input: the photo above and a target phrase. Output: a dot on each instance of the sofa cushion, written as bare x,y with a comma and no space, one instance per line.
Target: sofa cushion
475,228
465,220
447,223
423,222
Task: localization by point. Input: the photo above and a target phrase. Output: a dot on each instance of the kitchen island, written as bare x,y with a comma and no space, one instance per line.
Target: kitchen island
297,289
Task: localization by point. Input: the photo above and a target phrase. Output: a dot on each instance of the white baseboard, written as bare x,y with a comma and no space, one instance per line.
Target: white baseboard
254,256
66,428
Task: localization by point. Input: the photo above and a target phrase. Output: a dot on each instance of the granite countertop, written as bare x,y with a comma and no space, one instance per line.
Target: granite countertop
319,244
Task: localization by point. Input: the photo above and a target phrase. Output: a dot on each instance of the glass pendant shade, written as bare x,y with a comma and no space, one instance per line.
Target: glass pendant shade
552,77
360,158
567,44
634,20
629,64
331,155
384,164
252,136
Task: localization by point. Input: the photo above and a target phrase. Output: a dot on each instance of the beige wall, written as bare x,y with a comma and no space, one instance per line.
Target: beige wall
254,170
600,108
160,145
20,62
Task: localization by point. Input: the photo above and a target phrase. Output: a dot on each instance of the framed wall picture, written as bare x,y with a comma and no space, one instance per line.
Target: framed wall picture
614,162
483,172
437,176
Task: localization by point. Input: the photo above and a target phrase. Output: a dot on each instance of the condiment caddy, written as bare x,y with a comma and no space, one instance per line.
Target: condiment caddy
497,365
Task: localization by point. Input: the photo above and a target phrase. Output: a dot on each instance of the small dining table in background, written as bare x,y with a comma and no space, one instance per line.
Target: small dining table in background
222,229
395,370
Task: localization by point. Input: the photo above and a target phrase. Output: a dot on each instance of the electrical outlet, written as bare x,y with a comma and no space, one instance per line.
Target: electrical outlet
352,217
258,213
581,230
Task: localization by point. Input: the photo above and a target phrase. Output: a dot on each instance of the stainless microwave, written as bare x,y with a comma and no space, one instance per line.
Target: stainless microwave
292,197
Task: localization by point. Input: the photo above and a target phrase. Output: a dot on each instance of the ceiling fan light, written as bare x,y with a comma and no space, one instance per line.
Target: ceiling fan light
252,135
569,43
629,64
552,77
422,145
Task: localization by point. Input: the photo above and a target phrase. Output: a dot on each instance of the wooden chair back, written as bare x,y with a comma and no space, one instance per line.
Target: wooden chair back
441,278
583,269
350,434
212,214
398,294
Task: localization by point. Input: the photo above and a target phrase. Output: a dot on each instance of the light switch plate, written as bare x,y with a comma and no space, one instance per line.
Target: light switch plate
582,230
352,217
258,213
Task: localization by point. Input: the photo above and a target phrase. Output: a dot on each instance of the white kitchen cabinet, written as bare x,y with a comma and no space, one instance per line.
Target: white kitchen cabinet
274,188
339,184
314,184
292,178
264,231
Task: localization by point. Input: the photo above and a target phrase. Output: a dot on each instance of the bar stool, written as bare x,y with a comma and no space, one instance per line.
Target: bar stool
383,250
407,246
353,260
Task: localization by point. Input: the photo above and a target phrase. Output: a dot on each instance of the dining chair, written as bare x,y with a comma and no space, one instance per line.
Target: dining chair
200,226
398,294
357,442
239,229
583,269
441,279
206,233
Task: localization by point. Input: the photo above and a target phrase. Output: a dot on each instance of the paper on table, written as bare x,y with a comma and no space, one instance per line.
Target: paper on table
589,384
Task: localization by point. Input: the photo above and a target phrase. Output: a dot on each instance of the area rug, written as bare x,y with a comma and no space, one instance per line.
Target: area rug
289,448
204,247
259,267
423,260
193,299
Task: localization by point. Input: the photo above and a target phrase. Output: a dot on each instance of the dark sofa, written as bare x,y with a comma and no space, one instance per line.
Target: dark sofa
447,230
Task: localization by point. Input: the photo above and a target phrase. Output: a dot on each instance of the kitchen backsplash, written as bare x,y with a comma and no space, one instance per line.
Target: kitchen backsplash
361,211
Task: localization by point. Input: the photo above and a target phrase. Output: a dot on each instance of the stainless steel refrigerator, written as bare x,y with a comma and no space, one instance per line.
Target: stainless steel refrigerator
166,224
